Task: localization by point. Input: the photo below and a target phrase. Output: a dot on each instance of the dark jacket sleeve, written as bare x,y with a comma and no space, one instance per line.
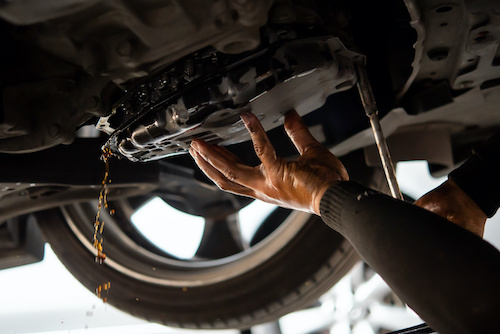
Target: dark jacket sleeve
479,176
448,275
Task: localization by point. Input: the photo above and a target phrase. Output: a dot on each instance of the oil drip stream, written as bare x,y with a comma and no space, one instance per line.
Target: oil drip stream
99,223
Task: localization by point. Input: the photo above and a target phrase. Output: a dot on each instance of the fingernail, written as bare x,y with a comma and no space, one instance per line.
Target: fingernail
195,145
194,153
247,120
245,117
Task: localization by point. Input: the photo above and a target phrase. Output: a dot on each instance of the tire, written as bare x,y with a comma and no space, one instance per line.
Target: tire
294,261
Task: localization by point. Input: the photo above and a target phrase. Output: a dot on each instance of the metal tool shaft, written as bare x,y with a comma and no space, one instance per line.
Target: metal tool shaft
368,100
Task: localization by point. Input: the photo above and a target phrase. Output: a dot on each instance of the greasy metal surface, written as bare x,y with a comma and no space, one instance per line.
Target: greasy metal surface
154,121
44,113
65,41
475,108
63,58
29,11
127,39
457,42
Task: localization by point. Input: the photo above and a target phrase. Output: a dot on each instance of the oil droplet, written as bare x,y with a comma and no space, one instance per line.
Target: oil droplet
103,202
101,289
99,223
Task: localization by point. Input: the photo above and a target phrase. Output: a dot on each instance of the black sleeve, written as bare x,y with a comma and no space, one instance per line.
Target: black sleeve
479,177
448,275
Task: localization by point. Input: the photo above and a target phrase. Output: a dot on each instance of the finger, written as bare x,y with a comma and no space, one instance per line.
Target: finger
299,133
223,161
228,154
261,143
218,178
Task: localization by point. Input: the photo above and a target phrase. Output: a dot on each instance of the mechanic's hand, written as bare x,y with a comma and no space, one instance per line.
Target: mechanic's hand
292,184
450,202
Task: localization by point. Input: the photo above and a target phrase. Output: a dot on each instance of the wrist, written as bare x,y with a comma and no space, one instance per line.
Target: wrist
342,175
319,195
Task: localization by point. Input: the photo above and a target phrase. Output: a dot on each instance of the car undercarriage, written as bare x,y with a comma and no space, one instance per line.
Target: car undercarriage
153,75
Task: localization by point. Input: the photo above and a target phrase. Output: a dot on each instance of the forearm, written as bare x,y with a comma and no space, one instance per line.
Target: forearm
446,274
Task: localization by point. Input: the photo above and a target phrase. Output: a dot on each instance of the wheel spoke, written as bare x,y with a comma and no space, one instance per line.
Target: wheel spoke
270,224
221,238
